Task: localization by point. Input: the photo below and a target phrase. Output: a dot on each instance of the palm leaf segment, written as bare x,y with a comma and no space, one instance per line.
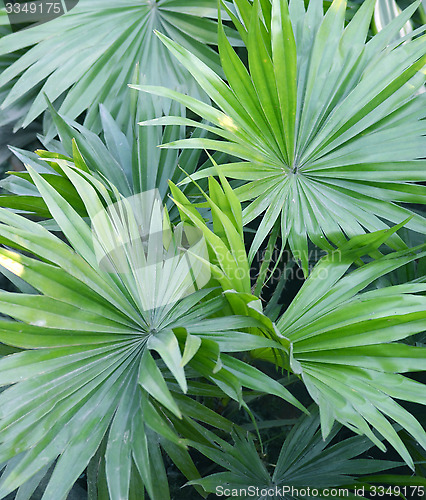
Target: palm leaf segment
329,127
14,114
88,383
94,49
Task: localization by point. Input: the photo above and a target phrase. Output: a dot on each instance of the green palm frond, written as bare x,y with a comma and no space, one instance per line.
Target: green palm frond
113,325
345,342
93,51
329,126
126,156
306,460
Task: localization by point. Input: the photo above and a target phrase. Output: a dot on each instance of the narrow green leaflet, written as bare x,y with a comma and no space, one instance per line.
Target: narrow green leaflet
384,12
228,258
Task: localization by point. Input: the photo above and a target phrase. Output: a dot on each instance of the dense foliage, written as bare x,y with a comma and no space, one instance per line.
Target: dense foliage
216,262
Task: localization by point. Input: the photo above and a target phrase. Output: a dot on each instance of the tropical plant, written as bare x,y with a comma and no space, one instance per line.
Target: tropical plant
146,341
318,117
126,155
83,311
94,50
305,461
87,376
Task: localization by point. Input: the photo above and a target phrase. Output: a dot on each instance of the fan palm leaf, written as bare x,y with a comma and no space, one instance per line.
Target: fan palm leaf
103,44
343,341
328,126
108,334
305,461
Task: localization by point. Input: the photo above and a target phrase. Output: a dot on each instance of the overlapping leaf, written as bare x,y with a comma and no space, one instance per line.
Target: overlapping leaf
126,156
328,126
345,343
305,461
93,51
112,320
11,117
